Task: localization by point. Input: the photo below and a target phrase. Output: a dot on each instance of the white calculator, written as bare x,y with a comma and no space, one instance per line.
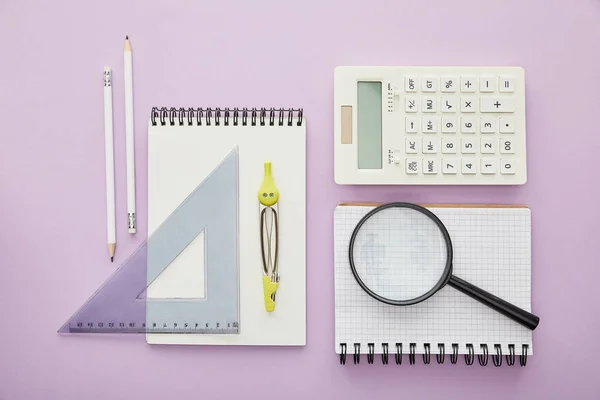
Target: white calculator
430,125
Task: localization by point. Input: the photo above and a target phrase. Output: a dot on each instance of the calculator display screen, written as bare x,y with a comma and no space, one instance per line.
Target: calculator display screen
369,126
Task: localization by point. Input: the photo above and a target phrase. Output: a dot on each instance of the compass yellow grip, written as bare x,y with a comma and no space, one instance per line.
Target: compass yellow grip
268,193
269,288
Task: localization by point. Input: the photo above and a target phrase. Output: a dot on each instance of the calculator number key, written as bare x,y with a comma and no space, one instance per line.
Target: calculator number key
488,166
488,125
507,167
468,125
488,146
468,166
449,146
507,146
468,146
448,125
449,166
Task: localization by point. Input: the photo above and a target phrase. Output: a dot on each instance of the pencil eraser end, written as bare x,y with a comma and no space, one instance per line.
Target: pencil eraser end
131,230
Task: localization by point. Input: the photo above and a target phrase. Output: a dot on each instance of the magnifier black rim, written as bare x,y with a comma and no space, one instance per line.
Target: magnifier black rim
447,269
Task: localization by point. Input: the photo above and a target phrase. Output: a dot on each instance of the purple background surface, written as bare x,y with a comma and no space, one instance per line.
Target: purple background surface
269,53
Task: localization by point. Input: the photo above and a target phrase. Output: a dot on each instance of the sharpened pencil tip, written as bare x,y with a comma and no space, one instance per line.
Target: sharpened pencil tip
126,37
111,259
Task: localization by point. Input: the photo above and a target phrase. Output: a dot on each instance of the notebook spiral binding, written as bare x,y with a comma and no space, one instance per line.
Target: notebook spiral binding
440,354
226,117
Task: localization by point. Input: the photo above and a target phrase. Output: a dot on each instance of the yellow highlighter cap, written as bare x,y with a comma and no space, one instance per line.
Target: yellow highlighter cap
268,193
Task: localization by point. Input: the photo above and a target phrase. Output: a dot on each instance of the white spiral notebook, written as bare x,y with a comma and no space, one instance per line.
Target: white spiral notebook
186,149
492,250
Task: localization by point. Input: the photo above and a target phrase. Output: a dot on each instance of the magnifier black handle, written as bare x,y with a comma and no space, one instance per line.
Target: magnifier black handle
511,311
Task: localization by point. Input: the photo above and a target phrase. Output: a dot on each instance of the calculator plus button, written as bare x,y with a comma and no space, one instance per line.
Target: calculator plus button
488,145
413,165
507,167
507,125
506,84
412,146
468,166
412,125
468,125
449,166
468,84
448,84
430,166
507,146
429,125
429,105
449,146
497,105
448,125
411,104
468,146
468,104
428,85
448,104
488,166
430,146
410,84
488,125
487,84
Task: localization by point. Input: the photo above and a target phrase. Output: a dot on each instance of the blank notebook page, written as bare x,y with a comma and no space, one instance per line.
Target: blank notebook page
492,250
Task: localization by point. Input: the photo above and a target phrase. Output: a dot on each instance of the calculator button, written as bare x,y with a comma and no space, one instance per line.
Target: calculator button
449,166
507,146
410,84
430,125
468,166
506,85
412,165
507,167
449,146
412,125
448,84
487,84
468,146
412,146
468,104
468,125
497,105
488,166
430,146
411,104
448,125
488,145
488,125
429,105
430,166
448,104
468,84
428,85
507,125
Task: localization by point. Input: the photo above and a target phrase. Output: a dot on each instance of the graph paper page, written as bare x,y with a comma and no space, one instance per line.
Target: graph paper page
492,250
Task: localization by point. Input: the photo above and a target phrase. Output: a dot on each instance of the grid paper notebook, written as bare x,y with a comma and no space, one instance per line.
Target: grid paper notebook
492,250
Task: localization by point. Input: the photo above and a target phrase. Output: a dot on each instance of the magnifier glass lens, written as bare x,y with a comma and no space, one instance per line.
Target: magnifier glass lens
400,253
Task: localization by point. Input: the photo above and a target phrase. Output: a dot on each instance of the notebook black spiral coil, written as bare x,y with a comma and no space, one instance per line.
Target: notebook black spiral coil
440,354
226,117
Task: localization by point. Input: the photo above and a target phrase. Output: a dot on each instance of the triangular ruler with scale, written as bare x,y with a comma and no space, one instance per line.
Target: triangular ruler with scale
120,305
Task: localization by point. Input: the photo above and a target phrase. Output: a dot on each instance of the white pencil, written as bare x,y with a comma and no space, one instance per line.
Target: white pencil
110,167
129,138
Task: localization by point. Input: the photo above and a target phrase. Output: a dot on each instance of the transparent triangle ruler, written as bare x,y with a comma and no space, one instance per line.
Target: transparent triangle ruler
120,305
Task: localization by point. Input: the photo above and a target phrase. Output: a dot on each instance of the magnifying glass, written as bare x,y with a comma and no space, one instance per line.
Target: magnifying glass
401,254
